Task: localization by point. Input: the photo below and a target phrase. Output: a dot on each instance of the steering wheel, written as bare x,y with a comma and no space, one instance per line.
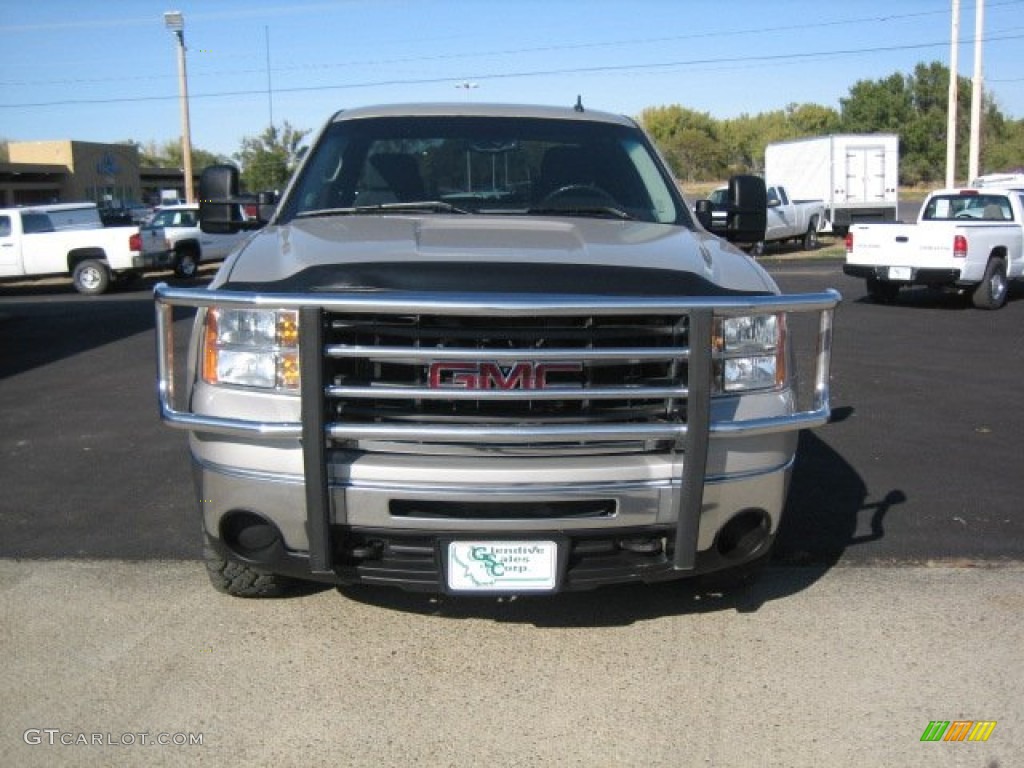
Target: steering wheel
964,216
590,193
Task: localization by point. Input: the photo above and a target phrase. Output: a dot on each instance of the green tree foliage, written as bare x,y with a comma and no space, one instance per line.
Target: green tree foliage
699,147
914,107
1002,142
169,155
267,160
812,120
688,139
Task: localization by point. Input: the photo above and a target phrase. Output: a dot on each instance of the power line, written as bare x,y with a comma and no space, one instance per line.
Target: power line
819,24
605,68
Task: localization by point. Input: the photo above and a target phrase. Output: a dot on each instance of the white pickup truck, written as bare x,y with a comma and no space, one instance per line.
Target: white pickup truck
173,239
66,239
788,219
970,240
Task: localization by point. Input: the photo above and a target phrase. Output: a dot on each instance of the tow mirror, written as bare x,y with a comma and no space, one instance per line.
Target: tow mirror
703,210
219,212
747,216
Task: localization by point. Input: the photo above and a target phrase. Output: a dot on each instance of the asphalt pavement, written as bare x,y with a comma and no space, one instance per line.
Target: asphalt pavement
895,600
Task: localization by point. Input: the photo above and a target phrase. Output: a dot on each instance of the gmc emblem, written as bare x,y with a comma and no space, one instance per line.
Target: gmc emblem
518,375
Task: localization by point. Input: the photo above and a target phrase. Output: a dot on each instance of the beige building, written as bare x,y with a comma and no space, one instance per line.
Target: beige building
107,174
71,171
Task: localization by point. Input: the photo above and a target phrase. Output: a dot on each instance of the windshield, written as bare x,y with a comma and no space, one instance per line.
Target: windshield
719,196
175,218
968,206
494,165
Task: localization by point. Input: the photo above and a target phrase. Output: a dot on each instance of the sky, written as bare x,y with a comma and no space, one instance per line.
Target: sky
107,72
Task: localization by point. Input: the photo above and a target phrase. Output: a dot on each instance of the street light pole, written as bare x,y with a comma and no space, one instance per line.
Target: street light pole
175,21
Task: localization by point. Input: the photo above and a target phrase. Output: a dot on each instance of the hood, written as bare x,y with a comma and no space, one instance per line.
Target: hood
491,254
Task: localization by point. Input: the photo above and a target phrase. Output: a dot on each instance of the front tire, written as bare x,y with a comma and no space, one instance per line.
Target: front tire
991,293
240,580
90,277
811,236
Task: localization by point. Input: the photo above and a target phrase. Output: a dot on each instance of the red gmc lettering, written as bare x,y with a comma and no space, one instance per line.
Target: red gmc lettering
520,375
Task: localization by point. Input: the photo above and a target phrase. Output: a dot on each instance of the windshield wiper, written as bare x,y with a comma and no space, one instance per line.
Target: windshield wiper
427,206
597,211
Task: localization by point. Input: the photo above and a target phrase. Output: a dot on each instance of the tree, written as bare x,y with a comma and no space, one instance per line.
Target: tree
689,141
877,106
169,155
1002,142
699,147
269,159
812,120
914,107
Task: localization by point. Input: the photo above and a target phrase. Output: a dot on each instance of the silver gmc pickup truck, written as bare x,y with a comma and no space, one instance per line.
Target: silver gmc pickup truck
488,349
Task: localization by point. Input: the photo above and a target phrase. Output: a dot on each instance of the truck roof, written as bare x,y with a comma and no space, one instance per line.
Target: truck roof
977,190
461,109
52,207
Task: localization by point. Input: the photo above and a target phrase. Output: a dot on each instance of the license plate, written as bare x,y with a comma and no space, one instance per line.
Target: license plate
502,566
900,273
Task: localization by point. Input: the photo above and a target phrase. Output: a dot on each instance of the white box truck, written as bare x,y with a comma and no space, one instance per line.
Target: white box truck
857,175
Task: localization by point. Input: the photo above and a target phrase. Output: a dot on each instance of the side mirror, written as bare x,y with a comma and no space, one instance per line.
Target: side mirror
702,208
219,213
267,205
747,216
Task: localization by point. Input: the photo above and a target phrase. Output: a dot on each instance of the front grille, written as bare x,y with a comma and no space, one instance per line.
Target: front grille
451,370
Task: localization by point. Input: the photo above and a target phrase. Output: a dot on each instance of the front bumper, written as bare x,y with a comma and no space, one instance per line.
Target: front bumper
331,520
611,532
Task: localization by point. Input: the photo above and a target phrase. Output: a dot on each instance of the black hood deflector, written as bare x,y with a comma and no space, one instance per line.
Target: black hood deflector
492,277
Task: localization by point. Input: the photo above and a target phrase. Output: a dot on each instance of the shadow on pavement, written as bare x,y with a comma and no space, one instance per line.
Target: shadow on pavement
42,324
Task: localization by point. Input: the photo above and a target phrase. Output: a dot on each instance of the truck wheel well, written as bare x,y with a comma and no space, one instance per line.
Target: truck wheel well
186,246
79,255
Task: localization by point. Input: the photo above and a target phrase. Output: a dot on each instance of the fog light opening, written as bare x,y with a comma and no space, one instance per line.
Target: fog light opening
642,545
745,535
251,536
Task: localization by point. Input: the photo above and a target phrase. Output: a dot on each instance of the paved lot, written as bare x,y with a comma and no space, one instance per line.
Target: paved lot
923,462
813,667
896,598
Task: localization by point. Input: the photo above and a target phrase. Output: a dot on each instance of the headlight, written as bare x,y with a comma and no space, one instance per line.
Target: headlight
750,352
252,348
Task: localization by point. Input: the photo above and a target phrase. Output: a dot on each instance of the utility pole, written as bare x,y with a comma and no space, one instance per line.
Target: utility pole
175,21
977,89
954,76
